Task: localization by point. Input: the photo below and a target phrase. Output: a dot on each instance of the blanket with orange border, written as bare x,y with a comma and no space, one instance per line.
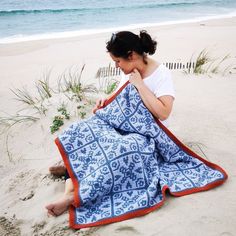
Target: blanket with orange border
121,161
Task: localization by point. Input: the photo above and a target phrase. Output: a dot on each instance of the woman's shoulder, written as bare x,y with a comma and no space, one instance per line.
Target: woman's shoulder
162,68
160,72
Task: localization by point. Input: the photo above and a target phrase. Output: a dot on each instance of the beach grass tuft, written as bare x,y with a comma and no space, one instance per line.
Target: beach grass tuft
70,82
205,64
8,123
43,86
24,96
202,59
110,87
107,79
107,85
71,98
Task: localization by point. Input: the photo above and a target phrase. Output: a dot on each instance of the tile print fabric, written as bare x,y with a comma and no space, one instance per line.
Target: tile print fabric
122,159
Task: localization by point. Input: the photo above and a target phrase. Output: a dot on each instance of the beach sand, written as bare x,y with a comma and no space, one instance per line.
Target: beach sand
204,117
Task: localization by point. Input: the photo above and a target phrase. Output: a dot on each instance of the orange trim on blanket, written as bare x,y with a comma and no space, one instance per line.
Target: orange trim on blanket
117,218
189,151
164,189
70,172
172,136
141,212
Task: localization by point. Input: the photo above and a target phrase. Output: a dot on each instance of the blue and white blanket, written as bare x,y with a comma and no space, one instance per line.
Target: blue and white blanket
121,161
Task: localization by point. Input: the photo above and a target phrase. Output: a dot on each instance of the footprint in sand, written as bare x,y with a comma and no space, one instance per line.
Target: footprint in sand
28,196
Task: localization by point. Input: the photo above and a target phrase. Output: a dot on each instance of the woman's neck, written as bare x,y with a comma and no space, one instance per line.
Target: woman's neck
147,69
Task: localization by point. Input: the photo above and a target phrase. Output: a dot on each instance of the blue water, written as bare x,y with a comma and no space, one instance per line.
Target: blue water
20,19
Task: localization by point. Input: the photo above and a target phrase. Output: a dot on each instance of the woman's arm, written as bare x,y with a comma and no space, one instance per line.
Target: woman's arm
160,107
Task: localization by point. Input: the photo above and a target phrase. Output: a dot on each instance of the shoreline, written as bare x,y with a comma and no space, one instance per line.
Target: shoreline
89,32
176,43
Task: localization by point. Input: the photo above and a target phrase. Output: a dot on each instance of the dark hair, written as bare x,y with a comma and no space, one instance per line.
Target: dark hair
123,43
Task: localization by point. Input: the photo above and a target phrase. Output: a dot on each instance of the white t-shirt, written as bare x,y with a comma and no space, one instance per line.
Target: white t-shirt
159,82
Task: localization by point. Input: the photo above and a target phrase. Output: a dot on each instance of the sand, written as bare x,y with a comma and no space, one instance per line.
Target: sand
204,117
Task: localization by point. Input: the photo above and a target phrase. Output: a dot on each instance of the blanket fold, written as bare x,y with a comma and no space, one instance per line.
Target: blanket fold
121,161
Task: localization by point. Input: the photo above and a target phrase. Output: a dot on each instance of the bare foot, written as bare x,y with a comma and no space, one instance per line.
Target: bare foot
58,171
59,207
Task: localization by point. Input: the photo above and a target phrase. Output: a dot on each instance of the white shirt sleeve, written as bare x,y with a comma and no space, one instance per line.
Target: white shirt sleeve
166,86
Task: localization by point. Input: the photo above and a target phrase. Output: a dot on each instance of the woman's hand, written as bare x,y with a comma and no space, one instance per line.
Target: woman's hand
99,103
136,79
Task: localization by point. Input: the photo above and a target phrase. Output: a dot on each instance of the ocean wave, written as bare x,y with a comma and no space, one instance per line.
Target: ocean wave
68,34
86,9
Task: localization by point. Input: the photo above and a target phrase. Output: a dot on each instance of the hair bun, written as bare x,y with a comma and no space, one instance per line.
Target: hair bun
148,44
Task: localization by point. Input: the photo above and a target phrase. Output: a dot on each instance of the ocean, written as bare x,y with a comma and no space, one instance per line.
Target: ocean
22,20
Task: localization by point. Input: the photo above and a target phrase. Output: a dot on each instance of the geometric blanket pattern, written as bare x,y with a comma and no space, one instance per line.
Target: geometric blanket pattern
121,161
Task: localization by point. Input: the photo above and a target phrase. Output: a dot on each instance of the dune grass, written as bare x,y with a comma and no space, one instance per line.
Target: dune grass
43,97
107,84
70,83
44,91
205,64
25,97
43,87
202,59
110,87
107,79
9,122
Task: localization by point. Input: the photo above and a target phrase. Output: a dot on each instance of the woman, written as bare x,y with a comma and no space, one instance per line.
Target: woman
122,159
152,80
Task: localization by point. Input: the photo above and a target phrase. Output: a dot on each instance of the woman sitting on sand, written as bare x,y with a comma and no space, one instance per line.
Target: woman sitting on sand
120,161
152,80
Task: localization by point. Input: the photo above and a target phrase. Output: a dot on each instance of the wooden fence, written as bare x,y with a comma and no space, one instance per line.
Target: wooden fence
180,65
111,71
